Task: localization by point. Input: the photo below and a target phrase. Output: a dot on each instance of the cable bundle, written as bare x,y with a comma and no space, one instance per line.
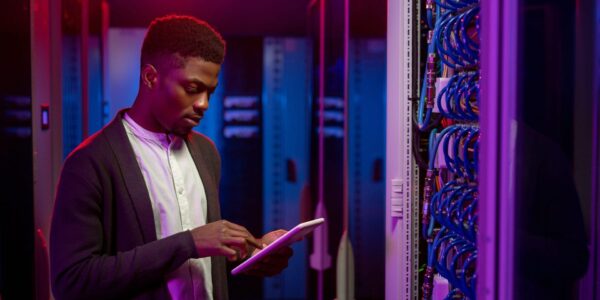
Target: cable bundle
455,43
450,210
450,192
452,51
458,99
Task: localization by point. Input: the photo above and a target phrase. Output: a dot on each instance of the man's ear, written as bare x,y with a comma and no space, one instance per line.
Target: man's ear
149,76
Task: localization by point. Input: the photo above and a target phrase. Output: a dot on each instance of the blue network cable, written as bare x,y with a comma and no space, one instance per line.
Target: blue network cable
450,197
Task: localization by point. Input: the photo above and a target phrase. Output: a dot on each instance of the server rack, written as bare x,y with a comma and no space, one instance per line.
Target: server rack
366,167
526,76
286,153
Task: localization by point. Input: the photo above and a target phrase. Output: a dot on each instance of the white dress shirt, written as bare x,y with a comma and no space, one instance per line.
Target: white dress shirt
178,201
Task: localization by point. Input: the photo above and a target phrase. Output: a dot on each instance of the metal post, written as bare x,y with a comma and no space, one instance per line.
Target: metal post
85,29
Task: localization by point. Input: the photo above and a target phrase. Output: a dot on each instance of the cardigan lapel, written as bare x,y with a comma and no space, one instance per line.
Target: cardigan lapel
132,175
210,186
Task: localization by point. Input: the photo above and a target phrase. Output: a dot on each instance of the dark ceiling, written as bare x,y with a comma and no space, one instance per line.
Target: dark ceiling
249,17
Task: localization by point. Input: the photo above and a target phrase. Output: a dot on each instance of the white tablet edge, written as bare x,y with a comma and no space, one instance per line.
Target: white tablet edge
288,238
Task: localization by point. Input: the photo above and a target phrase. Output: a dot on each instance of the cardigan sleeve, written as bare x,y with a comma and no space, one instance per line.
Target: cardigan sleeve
80,269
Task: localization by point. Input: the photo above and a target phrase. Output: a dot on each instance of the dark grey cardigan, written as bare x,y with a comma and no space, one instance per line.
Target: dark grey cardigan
103,243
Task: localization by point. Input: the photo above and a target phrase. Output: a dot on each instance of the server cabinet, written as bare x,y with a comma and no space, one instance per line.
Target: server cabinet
286,153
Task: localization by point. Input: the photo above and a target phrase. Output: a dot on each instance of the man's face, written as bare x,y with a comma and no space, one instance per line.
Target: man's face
183,93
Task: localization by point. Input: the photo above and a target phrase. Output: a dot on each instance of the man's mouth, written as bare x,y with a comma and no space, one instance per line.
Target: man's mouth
195,119
192,122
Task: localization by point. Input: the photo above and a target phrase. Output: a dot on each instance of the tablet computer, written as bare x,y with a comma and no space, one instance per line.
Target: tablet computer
292,236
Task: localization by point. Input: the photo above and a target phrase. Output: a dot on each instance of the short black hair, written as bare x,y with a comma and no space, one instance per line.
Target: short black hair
183,35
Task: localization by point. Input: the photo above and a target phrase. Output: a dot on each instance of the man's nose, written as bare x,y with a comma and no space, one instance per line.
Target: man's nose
201,104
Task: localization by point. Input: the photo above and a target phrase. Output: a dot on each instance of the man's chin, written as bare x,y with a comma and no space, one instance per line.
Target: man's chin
182,132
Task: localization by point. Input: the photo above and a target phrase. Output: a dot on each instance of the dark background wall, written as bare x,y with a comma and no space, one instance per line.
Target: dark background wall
16,184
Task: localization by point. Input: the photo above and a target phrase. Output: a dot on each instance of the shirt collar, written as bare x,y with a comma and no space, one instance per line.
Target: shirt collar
143,133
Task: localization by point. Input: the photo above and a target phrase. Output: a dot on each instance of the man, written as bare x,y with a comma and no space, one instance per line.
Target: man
136,212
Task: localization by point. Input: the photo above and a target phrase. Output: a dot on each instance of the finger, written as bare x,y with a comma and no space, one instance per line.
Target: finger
283,253
273,235
270,261
228,252
243,245
259,269
244,234
234,257
286,252
236,227
280,232
276,261
239,252
238,244
246,239
254,243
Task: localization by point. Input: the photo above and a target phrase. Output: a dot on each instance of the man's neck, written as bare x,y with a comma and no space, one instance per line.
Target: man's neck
142,115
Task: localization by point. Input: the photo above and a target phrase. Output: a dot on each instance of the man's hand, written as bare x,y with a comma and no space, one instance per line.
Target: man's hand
274,263
223,238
